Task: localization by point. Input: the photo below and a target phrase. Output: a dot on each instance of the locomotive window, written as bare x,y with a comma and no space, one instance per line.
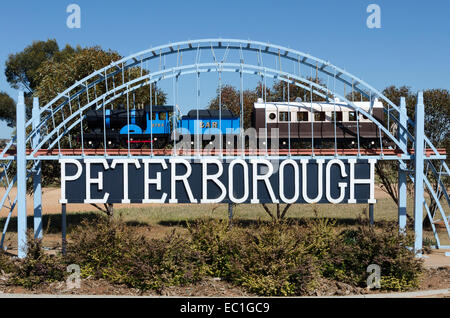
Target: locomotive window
319,116
351,116
284,116
338,116
302,116
272,116
153,116
162,116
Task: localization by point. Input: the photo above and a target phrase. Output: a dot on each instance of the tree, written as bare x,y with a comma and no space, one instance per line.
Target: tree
280,93
231,100
437,111
56,75
20,68
437,128
7,109
44,71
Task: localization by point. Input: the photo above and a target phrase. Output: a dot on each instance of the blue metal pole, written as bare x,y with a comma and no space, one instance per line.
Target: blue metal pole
37,193
402,174
21,179
418,174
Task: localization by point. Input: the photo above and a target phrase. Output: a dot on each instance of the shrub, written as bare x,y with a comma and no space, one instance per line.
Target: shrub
111,250
37,267
6,263
164,262
268,260
217,244
273,261
354,250
97,247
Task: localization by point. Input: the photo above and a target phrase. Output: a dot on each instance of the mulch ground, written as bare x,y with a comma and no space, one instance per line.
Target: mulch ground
432,279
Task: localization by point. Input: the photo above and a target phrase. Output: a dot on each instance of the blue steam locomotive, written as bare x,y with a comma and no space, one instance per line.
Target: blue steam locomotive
154,125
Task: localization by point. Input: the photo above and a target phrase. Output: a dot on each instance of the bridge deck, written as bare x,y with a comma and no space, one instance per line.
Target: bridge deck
213,152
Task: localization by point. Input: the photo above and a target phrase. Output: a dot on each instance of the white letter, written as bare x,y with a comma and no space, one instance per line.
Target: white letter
341,185
374,20
214,178
183,178
98,180
296,181
231,181
156,181
70,178
125,163
354,181
74,20
264,178
320,163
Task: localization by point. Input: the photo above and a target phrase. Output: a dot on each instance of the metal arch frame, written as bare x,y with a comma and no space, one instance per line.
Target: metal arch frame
211,44
136,60
191,69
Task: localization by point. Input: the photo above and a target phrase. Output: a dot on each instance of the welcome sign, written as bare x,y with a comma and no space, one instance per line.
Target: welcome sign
211,180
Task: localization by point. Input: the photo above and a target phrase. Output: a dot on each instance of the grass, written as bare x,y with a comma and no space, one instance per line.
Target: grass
385,210
168,216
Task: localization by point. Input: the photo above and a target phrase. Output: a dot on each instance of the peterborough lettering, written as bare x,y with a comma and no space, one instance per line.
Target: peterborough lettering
210,180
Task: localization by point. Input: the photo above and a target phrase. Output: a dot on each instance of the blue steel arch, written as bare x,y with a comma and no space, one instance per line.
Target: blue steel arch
261,48
192,69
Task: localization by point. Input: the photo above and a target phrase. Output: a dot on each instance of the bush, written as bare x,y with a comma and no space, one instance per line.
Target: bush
217,244
286,259
353,250
283,259
167,262
269,260
111,250
37,267
6,263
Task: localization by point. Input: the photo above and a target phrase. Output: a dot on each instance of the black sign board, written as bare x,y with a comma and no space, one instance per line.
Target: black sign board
210,180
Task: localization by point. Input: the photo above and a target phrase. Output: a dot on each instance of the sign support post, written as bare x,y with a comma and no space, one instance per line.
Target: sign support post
230,213
371,217
21,178
419,176
37,193
63,228
402,178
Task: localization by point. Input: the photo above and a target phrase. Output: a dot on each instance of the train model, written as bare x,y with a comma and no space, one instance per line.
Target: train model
322,122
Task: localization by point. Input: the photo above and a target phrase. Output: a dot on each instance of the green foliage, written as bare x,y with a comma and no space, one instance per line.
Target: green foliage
6,263
111,250
21,68
38,267
279,91
437,111
273,261
354,250
268,259
231,100
7,109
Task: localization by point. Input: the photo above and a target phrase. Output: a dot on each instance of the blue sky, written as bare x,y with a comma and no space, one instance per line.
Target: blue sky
411,48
